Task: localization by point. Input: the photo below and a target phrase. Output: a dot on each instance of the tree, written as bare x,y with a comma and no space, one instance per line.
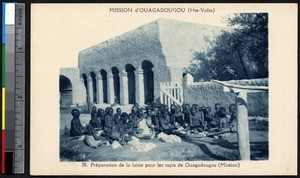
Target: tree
238,53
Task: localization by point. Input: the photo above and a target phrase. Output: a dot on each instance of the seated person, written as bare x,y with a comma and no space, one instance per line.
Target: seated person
179,117
216,119
118,112
94,112
187,115
77,128
93,137
95,122
223,120
117,131
171,114
165,124
208,117
131,124
197,120
144,126
108,118
156,122
100,116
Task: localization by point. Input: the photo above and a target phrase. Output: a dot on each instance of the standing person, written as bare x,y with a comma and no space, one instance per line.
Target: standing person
76,127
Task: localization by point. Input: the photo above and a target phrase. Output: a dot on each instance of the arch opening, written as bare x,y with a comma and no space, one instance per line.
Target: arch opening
130,69
116,79
148,81
103,74
65,90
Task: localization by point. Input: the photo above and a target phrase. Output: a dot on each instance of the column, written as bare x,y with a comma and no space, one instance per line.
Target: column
242,125
86,99
140,93
110,88
99,86
90,89
124,88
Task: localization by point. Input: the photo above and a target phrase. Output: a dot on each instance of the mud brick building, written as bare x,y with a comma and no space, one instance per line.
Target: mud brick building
129,68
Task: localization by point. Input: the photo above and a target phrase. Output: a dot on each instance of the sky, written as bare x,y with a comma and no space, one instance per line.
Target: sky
70,28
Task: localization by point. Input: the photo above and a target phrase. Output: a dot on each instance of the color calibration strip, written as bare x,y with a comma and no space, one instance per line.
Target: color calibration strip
13,75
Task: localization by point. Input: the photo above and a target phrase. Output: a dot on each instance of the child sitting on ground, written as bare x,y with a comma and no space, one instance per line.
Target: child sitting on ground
100,116
144,127
165,124
76,127
208,117
94,138
117,132
179,118
108,118
196,121
94,112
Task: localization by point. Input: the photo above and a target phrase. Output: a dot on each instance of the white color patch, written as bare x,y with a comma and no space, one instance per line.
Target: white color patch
10,13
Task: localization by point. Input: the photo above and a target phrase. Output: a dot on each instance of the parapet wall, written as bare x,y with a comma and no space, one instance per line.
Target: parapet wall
209,93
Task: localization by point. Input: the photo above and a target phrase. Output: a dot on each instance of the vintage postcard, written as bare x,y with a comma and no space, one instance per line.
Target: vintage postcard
163,89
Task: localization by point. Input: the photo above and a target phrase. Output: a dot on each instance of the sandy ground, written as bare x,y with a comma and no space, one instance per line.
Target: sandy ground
188,150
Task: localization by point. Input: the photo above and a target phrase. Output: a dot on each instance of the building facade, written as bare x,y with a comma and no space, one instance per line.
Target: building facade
128,69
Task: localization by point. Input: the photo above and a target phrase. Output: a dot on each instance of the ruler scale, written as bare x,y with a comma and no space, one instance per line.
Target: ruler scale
19,97
13,121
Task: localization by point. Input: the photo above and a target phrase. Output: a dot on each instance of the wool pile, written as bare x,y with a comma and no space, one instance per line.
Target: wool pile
115,145
168,138
138,146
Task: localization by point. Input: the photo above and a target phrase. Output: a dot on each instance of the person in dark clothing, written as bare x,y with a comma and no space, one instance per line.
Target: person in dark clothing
94,112
76,127
100,116
208,117
118,112
172,114
179,116
164,121
131,124
197,120
95,123
223,120
186,113
108,118
118,131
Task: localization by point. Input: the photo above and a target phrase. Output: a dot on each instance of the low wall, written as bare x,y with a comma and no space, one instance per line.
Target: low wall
209,93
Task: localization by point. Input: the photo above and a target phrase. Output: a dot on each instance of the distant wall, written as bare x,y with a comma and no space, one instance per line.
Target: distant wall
209,93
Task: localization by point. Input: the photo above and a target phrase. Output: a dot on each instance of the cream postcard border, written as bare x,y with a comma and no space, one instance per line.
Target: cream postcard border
48,55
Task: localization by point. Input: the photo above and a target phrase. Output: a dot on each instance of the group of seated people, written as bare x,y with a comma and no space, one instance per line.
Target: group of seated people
151,120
